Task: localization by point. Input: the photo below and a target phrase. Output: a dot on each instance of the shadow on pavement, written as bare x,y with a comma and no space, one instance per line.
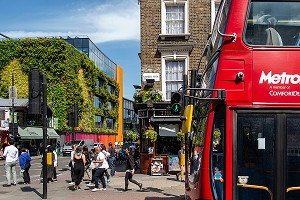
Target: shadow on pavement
151,189
173,179
166,198
64,169
30,189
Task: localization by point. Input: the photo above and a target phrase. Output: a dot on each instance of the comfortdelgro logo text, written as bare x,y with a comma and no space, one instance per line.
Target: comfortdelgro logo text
282,78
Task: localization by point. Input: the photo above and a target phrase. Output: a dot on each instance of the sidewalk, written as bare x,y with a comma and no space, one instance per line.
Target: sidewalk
2,162
154,188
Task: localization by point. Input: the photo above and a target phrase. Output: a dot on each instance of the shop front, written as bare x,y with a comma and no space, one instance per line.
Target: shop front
32,138
159,155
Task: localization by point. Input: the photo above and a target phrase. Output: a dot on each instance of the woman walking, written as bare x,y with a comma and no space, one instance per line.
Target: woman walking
130,170
79,163
24,160
71,165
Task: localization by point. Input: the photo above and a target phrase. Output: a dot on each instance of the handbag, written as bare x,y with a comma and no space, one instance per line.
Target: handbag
70,164
27,164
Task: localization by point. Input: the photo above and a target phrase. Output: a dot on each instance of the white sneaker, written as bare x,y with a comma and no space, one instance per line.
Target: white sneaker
103,189
90,184
71,183
95,189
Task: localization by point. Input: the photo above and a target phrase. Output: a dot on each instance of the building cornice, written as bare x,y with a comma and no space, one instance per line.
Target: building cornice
175,47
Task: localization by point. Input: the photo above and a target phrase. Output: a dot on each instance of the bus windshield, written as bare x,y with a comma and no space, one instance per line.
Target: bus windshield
273,24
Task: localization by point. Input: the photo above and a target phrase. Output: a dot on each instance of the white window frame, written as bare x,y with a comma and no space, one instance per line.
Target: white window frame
171,56
214,8
165,3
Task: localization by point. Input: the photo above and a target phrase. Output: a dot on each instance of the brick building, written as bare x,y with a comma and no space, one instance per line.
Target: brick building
173,35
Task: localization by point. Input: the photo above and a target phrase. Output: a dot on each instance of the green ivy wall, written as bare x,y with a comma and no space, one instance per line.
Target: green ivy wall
71,78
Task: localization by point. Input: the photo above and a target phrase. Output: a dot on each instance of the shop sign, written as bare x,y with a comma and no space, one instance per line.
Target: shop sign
173,161
162,113
55,123
143,113
156,166
154,76
4,123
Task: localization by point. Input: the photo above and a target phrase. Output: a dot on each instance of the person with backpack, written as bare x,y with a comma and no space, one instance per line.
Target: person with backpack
24,161
50,165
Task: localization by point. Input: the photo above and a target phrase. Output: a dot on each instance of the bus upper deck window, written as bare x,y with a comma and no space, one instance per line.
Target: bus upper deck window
269,26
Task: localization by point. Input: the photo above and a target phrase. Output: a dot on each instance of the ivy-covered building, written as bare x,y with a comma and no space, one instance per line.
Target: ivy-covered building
72,78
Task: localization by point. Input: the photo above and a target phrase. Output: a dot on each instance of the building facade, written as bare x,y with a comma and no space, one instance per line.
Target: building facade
130,121
173,35
111,69
73,80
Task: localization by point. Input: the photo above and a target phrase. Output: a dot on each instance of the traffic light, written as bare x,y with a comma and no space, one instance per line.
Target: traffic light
34,106
176,103
70,120
75,115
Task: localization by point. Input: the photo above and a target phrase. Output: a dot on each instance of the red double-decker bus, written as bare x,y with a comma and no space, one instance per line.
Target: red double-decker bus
245,143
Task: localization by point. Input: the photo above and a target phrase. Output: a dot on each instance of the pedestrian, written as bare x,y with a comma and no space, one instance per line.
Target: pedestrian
55,166
41,149
79,162
11,156
71,165
50,165
93,166
112,159
102,166
85,151
181,157
24,161
130,170
106,153
58,148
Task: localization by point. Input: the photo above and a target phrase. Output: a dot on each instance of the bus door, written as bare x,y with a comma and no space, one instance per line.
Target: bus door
267,156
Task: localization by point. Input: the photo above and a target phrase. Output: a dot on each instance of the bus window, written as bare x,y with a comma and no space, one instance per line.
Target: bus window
267,25
217,155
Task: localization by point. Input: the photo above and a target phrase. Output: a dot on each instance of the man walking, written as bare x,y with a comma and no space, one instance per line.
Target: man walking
11,157
130,170
112,159
99,174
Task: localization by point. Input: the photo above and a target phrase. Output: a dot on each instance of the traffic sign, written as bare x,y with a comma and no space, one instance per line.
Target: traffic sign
12,92
187,123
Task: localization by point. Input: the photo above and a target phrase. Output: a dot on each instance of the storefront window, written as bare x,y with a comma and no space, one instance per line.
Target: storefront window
167,143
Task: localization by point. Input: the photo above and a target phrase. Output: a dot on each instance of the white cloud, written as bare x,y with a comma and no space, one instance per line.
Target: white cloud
118,20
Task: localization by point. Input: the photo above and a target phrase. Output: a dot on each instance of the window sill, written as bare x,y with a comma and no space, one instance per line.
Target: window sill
186,36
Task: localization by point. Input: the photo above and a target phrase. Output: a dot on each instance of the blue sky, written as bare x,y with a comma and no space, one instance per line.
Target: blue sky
113,25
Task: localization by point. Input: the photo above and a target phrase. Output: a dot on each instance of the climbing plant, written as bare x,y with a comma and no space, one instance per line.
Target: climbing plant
71,79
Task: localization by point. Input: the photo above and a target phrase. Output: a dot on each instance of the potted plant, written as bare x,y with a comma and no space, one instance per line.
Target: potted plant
132,136
151,134
145,95
180,137
217,136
